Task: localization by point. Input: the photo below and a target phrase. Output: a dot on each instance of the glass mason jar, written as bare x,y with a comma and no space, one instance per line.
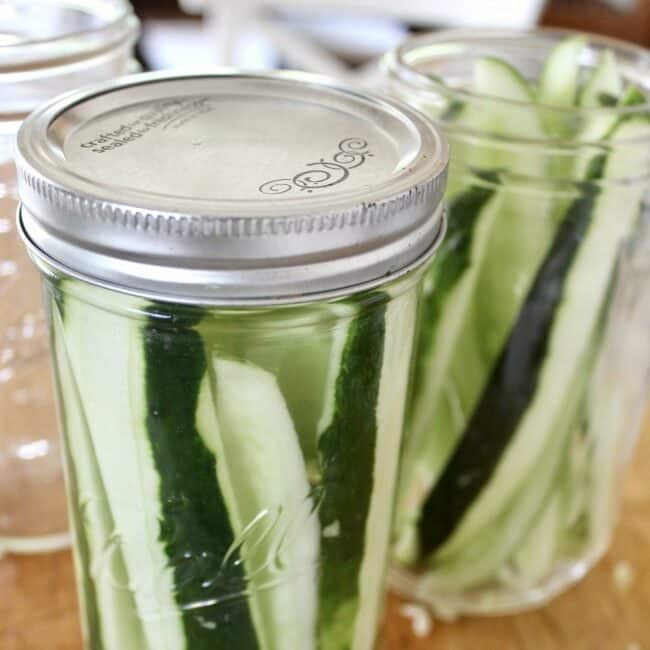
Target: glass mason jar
46,48
533,354
232,338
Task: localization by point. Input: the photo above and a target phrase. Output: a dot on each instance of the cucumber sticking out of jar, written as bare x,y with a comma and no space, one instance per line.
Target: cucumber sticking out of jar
559,85
480,510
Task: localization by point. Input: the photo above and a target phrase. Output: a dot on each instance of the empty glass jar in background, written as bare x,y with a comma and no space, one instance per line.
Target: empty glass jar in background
533,355
233,340
46,47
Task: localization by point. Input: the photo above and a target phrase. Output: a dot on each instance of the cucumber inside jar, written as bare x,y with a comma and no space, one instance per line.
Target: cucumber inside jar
498,469
229,527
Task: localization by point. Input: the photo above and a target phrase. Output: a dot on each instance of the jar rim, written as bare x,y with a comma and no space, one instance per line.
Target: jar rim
118,24
398,63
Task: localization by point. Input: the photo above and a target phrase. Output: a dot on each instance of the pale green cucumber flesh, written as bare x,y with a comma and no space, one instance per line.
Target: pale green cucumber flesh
535,557
88,530
243,419
604,83
492,122
559,81
120,505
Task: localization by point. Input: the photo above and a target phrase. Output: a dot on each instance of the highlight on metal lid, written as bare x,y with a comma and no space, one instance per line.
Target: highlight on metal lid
230,187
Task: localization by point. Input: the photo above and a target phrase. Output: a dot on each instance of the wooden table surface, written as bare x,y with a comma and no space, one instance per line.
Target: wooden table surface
38,609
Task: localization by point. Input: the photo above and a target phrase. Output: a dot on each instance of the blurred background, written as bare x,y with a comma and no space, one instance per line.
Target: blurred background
343,36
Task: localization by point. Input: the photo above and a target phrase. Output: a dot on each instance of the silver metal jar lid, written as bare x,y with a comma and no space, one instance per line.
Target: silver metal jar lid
231,187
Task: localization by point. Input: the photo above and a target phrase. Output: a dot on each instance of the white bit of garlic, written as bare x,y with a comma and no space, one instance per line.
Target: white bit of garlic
333,530
622,576
421,621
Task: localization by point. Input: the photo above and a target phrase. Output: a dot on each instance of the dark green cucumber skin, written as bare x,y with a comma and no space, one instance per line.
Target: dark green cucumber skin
513,381
93,619
347,452
195,527
451,261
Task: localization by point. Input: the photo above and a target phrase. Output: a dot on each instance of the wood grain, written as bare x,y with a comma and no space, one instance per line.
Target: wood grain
38,608
629,21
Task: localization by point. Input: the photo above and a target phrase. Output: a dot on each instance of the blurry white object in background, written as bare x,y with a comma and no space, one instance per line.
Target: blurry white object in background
307,34
454,13
182,44
624,6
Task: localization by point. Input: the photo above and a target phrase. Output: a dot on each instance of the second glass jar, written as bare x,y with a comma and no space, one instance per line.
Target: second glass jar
533,355
47,47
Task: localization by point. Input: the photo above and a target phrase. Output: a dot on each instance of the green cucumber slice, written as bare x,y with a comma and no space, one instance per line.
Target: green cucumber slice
452,261
400,319
348,448
577,481
302,378
71,421
558,86
559,80
494,78
448,353
110,615
243,419
535,557
344,314
305,370
209,582
605,82
125,465
613,409
600,126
